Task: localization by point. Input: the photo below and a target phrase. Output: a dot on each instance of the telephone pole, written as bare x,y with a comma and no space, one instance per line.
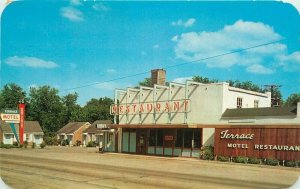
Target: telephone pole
275,99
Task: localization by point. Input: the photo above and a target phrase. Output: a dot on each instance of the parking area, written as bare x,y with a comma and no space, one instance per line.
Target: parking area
76,167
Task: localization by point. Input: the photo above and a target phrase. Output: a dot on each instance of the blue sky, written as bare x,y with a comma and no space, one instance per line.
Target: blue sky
71,44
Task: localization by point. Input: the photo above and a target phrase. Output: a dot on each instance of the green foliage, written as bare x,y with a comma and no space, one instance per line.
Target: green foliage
91,144
292,100
33,145
207,152
247,85
291,163
146,83
15,144
46,108
7,146
201,79
25,144
240,159
272,161
10,96
223,158
78,142
43,145
253,160
98,109
51,140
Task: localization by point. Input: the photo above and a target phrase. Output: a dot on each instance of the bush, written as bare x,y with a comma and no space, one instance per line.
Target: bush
78,142
207,152
240,159
272,161
33,145
253,160
51,140
91,144
25,144
43,145
15,144
223,158
7,146
291,163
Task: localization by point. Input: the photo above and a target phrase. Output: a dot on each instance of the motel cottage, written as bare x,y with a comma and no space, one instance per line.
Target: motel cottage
33,133
178,119
72,132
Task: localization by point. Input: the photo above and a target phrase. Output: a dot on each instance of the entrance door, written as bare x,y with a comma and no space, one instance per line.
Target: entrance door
141,138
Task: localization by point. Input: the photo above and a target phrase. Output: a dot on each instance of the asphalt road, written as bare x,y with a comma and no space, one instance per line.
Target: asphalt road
73,167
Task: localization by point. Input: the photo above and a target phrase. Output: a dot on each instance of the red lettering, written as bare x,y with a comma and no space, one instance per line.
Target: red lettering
167,108
149,107
158,107
176,106
186,105
141,108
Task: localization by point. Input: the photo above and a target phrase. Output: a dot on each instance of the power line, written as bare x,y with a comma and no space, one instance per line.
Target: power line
168,67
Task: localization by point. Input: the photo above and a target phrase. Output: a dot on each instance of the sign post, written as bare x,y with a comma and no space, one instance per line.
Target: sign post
21,127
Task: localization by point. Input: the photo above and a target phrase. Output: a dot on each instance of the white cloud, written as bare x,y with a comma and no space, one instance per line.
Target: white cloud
111,70
75,2
259,69
194,46
190,22
156,46
32,62
182,79
100,7
290,62
72,14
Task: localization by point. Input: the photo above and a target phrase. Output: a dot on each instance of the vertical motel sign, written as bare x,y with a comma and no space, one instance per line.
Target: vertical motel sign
22,116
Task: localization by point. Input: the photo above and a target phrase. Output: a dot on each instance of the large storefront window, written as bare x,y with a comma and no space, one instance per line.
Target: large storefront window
197,138
188,137
152,137
179,138
160,137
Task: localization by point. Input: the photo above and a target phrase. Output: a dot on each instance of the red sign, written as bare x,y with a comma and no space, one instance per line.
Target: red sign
169,138
171,106
21,127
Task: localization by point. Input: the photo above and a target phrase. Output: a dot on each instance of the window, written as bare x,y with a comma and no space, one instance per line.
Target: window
239,102
256,102
197,138
179,138
152,137
160,137
188,137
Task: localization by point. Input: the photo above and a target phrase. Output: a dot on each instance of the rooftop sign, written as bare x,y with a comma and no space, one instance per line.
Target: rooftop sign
172,106
10,116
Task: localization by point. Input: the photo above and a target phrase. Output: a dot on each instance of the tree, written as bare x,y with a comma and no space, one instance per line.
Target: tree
47,108
292,100
201,79
247,85
146,83
70,104
98,109
10,96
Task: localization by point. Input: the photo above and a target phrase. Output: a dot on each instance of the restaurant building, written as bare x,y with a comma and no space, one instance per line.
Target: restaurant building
178,119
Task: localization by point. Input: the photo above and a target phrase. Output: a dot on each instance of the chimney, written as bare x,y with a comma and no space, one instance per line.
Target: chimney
158,76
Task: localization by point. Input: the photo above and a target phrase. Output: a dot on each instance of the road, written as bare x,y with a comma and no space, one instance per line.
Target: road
74,167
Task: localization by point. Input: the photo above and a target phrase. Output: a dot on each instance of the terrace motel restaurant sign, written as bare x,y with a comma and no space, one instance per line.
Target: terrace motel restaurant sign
151,107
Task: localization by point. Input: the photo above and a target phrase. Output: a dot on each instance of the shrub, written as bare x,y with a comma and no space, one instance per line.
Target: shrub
91,144
43,145
240,159
272,161
7,146
253,160
78,142
223,158
15,144
291,163
25,144
51,140
33,145
207,152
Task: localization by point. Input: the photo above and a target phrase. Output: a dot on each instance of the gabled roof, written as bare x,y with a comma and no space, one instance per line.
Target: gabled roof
93,128
72,127
259,112
29,127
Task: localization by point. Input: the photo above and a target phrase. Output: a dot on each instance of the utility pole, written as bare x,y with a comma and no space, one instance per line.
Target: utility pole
275,100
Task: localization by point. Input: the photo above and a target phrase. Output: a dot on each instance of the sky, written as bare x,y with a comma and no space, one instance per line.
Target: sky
94,47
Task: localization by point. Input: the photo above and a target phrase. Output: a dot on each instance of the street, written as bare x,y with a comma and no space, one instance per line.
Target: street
75,167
